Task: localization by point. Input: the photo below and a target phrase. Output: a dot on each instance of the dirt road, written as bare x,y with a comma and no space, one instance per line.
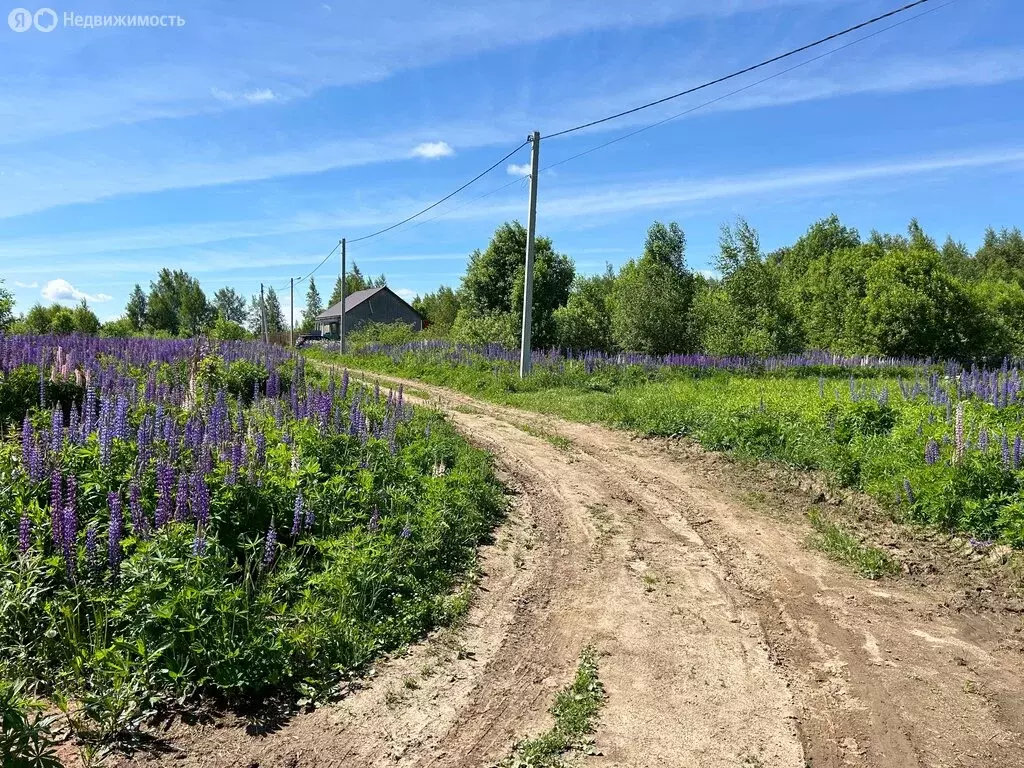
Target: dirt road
724,641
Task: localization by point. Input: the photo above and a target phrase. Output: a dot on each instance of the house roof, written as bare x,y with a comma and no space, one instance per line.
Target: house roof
353,300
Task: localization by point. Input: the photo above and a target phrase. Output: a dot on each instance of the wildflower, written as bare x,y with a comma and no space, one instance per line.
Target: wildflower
958,434
91,561
138,515
931,452
115,531
199,501
406,531
297,516
1005,450
24,534
269,546
909,491
199,545
375,520
983,440
1017,450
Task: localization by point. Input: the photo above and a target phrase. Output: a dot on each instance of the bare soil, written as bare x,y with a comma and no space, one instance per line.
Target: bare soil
724,640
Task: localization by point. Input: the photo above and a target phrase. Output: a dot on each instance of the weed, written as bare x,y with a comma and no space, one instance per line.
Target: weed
871,562
575,710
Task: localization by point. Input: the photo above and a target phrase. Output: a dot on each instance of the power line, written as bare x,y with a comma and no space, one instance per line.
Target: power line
314,269
744,71
690,110
443,199
748,86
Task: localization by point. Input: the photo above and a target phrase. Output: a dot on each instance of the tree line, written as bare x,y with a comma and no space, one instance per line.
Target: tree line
884,294
176,306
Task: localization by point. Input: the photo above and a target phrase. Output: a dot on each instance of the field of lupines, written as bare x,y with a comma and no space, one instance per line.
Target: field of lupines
180,519
935,442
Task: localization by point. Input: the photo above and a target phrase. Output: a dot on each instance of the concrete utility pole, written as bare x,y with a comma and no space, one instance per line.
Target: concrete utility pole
341,320
291,319
526,357
263,315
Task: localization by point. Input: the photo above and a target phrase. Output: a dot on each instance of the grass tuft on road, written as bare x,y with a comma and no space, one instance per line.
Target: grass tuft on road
575,710
839,544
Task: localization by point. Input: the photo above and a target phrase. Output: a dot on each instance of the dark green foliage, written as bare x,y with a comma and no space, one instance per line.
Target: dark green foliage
26,738
492,288
650,300
6,308
314,305
439,308
177,305
135,310
230,305
585,322
59,319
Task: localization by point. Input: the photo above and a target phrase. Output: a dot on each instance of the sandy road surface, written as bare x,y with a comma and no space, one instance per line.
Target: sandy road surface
724,640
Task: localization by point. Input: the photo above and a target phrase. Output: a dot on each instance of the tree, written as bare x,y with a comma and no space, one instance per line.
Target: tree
753,287
85,320
275,317
314,306
354,281
6,308
177,304
135,310
494,279
651,298
255,316
230,305
585,322
913,307
439,309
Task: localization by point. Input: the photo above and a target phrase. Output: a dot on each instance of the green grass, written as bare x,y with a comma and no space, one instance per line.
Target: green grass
842,546
575,711
558,441
870,439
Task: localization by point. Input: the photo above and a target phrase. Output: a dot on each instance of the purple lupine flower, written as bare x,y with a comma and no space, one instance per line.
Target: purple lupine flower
57,509
269,546
121,418
24,534
199,544
1005,450
56,430
931,451
375,520
181,499
115,531
310,519
909,491
164,494
983,440
959,445
1018,448
406,531
28,438
200,501
69,523
138,515
91,561
297,515
236,462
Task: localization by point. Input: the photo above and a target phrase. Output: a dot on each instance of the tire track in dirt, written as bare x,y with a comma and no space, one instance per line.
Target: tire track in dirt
724,641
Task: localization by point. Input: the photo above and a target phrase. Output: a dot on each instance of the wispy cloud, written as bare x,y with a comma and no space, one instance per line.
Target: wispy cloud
406,293
255,96
431,150
20,284
62,290
518,170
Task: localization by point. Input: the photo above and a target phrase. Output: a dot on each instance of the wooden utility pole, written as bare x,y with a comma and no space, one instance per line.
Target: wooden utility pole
526,356
341,320
291,318
263,315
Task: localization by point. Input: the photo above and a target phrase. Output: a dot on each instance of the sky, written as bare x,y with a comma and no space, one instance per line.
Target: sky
241,145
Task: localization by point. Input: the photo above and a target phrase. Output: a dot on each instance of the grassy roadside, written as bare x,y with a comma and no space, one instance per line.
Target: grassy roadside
575,710
865,433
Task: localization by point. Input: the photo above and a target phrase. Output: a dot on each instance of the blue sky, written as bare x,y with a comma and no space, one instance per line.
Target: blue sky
242,145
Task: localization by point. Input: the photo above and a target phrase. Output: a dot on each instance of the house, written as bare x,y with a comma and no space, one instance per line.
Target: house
373,305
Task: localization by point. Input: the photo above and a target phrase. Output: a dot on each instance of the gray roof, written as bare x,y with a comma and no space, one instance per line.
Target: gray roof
352,301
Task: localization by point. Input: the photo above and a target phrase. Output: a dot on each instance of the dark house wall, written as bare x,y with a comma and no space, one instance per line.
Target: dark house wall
382,307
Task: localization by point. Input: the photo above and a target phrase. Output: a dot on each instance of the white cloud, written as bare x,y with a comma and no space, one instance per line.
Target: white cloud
255,96
433,149
406,293
518,170
62,290
20,284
